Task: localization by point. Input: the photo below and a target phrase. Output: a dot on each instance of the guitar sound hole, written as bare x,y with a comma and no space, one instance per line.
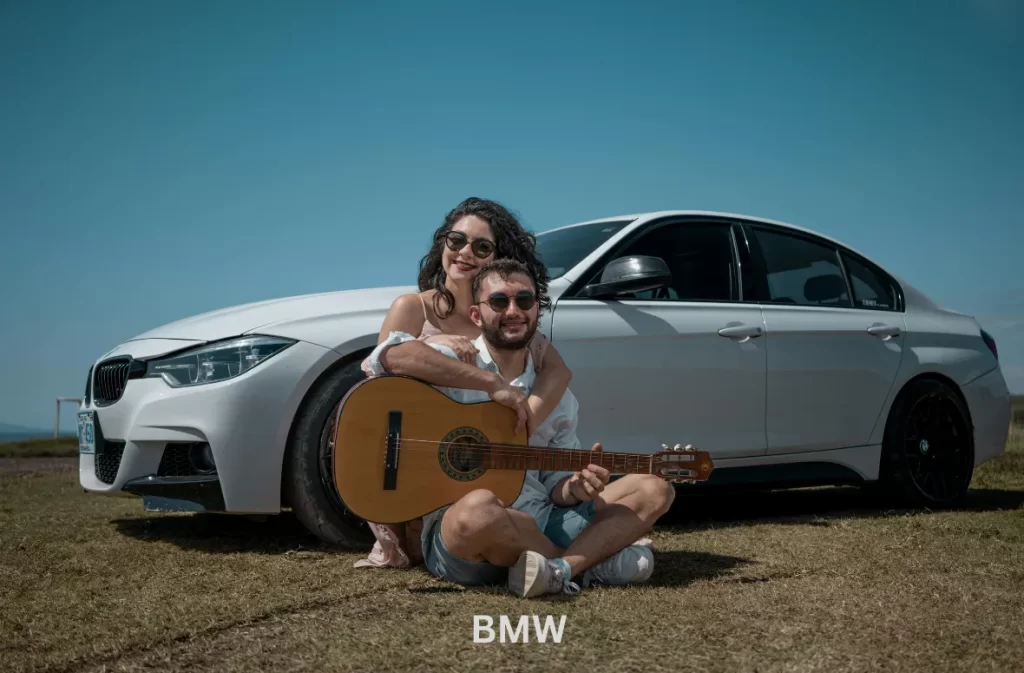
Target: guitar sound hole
463,456
460,454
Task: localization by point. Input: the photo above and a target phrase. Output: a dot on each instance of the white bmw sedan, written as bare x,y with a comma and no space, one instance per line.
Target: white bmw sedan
791,358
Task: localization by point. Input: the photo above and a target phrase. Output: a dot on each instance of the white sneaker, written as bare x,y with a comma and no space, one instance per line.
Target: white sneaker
533,575
628,566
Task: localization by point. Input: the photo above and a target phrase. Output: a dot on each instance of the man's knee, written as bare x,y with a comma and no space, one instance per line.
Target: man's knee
474,512
657,492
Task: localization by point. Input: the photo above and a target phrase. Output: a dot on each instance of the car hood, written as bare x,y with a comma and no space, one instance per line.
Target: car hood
237,320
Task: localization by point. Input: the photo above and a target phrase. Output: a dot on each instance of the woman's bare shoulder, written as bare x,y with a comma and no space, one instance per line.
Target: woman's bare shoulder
406,303
404,315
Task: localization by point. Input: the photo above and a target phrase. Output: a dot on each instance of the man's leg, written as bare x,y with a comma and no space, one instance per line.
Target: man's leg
625,510
596,532
479,528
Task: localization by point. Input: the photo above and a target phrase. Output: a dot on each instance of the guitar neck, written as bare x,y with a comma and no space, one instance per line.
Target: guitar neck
500,457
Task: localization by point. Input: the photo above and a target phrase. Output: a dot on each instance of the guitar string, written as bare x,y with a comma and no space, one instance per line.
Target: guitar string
512,448
525,451
512,451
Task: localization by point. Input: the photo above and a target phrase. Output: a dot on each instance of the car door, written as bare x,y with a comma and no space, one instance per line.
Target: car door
835,340
681,364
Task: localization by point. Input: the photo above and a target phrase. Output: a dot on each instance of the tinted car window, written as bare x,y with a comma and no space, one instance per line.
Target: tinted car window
563,249
802,272
871,289
700,257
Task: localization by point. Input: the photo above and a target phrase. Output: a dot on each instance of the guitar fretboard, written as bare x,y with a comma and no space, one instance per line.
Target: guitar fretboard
523,458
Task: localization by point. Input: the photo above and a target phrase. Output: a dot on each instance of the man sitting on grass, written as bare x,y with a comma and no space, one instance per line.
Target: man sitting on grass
563,525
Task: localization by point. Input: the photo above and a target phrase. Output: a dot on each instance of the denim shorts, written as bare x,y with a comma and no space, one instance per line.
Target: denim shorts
564,525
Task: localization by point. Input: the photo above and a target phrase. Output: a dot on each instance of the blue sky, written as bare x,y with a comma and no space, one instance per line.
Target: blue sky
162,159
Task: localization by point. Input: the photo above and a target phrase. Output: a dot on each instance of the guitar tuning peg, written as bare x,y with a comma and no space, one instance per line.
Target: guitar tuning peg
664,447
689,447
677,447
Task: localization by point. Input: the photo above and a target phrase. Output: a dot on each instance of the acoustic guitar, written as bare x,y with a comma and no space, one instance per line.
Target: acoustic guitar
403,449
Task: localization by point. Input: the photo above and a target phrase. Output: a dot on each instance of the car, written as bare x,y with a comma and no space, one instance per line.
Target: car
792,358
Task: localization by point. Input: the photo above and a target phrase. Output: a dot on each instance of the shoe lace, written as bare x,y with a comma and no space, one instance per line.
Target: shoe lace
559,582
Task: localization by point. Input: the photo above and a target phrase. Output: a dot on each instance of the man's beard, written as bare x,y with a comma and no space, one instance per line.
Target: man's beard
493,336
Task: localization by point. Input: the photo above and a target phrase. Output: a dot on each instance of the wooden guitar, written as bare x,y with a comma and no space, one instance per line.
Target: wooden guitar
403,448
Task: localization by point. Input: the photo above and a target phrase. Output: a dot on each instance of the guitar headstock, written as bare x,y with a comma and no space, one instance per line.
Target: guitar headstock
682,464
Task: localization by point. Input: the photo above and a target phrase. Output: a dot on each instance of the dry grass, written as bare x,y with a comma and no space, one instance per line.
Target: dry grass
812,580
40,448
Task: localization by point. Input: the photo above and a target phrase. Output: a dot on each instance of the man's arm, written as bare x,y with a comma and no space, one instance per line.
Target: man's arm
565,418
567,489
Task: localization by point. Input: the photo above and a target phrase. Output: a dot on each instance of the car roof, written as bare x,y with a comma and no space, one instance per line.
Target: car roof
656,214
638,219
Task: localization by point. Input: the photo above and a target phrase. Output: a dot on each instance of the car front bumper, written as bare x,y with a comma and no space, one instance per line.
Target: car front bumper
143,439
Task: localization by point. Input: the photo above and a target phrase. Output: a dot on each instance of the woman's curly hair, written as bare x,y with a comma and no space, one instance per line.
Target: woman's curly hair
511,242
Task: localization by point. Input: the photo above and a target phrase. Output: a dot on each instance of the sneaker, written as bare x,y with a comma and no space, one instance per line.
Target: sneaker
533,575
628,566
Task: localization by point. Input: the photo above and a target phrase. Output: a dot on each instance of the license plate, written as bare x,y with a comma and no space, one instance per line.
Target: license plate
86,432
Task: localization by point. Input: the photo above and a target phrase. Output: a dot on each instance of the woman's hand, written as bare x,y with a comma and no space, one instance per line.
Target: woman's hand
463,347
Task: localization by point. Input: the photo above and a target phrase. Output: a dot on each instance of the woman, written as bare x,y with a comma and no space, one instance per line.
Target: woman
474,233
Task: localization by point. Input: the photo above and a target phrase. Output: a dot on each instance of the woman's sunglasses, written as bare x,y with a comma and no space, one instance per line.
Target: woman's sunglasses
499,301
482,247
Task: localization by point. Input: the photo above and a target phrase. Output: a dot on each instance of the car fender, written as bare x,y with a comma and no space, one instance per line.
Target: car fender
942,344
342,332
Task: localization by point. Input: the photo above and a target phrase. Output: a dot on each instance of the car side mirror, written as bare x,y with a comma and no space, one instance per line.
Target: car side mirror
635,273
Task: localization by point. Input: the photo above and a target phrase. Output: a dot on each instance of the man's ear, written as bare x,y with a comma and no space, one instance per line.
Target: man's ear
476,316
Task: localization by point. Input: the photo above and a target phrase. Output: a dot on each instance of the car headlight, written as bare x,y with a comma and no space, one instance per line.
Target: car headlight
216,362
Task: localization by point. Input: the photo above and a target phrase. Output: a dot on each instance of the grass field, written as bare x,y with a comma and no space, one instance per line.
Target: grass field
40,448
809,580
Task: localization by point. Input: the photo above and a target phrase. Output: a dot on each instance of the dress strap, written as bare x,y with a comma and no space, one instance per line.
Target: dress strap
424,305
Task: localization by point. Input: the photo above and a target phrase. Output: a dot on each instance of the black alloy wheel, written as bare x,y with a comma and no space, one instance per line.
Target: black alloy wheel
928,453
326,473
308,480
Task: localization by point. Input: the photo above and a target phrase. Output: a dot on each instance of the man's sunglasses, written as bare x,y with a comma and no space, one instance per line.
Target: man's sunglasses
482,247
499,301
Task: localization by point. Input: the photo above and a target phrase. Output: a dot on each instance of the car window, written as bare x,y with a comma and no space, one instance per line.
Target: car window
802,272
699,256
562,249
871,289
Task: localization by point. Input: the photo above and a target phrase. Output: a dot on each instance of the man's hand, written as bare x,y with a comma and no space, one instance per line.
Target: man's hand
585,485
513,398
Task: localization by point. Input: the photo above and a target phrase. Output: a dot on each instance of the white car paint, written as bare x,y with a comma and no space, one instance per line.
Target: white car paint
815,387
712,395
828,378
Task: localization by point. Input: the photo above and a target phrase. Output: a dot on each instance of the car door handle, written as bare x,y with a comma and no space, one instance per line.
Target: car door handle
884,330
741,332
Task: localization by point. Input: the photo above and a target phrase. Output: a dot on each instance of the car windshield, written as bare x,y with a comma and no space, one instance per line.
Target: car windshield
563,249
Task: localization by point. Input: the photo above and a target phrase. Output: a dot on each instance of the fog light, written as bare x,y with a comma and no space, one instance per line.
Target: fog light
200,456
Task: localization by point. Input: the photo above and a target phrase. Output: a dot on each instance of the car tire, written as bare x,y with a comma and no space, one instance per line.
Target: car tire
308,474
928,448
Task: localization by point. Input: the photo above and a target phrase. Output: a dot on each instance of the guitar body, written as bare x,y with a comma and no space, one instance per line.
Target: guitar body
433,468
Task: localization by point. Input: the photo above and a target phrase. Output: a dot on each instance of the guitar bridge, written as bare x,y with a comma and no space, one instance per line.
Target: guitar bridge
391,450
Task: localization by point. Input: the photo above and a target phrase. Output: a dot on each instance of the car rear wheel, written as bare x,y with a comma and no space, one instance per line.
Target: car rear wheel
928,450
309,482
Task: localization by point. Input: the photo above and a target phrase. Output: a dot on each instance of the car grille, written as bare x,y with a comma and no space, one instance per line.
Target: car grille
109,380
108,460
175,462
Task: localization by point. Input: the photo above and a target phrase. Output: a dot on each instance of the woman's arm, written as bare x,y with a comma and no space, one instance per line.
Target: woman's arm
421,361
552,381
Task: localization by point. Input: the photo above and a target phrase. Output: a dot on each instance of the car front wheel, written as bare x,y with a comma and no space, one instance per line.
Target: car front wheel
928,451
309,469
